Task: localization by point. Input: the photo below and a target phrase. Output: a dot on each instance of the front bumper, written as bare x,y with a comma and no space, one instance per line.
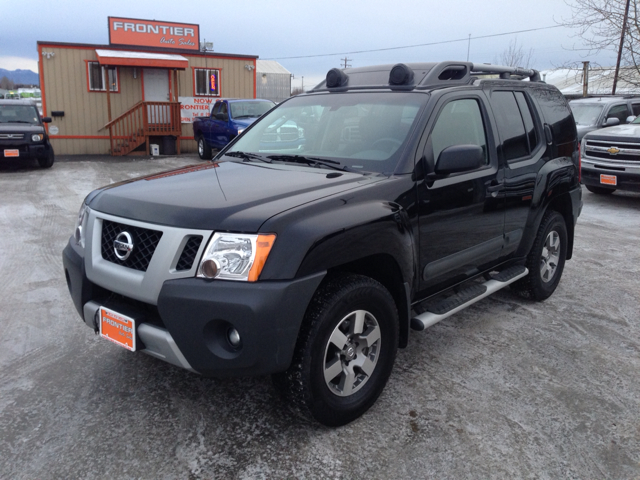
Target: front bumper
627,173
25,151
189,326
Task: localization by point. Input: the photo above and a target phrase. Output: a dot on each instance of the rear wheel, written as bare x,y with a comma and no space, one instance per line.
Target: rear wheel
600,190
47,161
345,351
546,259
204,150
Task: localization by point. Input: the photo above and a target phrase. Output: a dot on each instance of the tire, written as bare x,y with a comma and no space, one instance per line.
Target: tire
546,259
47,162
600,190
204,150
336,374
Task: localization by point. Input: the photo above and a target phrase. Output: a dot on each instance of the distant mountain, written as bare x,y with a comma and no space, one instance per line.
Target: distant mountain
21,77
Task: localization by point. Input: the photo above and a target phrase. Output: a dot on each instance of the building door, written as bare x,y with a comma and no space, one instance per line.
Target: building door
156,89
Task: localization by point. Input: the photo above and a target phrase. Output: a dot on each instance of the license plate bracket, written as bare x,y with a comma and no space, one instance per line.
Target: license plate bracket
118,328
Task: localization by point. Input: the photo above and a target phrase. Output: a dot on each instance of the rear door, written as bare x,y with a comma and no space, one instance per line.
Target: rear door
461,219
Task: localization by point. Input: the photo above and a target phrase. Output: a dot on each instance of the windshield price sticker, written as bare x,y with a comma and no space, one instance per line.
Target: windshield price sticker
608,179
118,328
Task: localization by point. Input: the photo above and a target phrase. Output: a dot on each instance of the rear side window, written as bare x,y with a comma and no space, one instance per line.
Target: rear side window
556,113
525,111
636,108
511,125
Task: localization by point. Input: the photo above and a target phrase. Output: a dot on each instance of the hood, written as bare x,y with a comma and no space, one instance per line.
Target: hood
229,196
584,129
25,128
245,122
616,134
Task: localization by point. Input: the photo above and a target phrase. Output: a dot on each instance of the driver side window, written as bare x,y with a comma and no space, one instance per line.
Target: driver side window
459,123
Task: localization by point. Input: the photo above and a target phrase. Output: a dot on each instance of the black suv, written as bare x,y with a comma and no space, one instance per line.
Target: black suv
22,132
384,200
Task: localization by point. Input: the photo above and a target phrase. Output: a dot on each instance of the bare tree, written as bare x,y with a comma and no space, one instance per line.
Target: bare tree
516,56
598,23
296,91
6,84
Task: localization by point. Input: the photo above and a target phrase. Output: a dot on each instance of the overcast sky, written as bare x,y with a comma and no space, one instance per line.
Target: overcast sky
284,29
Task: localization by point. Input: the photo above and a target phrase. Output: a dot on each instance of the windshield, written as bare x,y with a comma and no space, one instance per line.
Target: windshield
250,109
354,131
19,114
585,113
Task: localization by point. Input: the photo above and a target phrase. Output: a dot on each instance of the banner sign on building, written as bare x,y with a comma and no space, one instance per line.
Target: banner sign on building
191,107
153,33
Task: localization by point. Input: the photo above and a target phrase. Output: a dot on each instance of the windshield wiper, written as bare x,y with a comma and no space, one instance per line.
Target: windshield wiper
248,156
21,121
308,160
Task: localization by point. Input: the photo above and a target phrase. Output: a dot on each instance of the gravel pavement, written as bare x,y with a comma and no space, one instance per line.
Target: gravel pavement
508,388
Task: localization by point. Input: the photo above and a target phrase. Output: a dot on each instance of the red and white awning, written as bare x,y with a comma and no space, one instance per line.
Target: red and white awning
122,58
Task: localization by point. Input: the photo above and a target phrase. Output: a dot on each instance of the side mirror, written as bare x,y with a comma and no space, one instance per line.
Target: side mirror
222,116
630,118
459,158
612,122
46,120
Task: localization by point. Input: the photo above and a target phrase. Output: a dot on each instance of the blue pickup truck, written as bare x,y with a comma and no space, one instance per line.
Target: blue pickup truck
227,120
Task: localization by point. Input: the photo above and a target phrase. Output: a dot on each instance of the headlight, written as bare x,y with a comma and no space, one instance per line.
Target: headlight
78,232
37,137
240,130
234,256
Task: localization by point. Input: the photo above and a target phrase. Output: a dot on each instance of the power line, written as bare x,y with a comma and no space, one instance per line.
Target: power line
468,39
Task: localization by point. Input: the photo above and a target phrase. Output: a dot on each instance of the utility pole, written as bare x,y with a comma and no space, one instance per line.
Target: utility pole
302,83
346,60
585,79
468,47
624,28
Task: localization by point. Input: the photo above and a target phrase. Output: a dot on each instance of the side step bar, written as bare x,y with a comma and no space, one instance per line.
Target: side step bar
466,297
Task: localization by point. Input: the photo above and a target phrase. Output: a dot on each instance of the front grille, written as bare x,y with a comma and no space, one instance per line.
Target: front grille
614,151
11,136
144,242
189,253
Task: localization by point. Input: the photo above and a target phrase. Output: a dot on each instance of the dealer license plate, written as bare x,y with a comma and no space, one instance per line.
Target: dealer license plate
12,153
608,179
118,328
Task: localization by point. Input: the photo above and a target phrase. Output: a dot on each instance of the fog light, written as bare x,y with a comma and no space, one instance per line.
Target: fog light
210,268
234,337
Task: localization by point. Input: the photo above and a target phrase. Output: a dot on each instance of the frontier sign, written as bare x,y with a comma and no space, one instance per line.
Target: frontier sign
152,33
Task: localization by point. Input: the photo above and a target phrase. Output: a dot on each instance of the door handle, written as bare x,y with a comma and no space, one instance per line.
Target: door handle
495,188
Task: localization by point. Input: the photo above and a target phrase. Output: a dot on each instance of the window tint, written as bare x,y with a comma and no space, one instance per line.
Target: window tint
510,125
525,111
621,112
459,123
556,113
636,108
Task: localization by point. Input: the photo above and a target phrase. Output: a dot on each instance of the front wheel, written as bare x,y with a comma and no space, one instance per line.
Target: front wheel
47,162
546,259
204,150
345,351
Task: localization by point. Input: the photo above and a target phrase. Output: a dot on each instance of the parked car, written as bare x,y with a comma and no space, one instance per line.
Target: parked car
22,132
611,159
593,113
227,120
419,189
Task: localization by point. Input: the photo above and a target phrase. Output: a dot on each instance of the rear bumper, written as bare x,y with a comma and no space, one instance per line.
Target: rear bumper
190,325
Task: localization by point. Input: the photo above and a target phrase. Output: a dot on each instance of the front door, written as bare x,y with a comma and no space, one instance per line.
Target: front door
461,216
156,89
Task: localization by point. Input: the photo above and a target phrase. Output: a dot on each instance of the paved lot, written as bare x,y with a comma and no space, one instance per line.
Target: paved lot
506,389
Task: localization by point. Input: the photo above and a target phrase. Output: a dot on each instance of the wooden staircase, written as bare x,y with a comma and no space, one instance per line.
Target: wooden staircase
134,127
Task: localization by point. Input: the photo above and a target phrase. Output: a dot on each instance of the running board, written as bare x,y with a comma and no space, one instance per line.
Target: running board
466,297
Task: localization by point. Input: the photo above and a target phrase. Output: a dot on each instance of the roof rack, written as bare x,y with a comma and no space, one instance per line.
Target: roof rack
419,76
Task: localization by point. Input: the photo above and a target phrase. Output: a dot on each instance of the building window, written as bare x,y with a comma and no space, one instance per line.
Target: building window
96,77
207,82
